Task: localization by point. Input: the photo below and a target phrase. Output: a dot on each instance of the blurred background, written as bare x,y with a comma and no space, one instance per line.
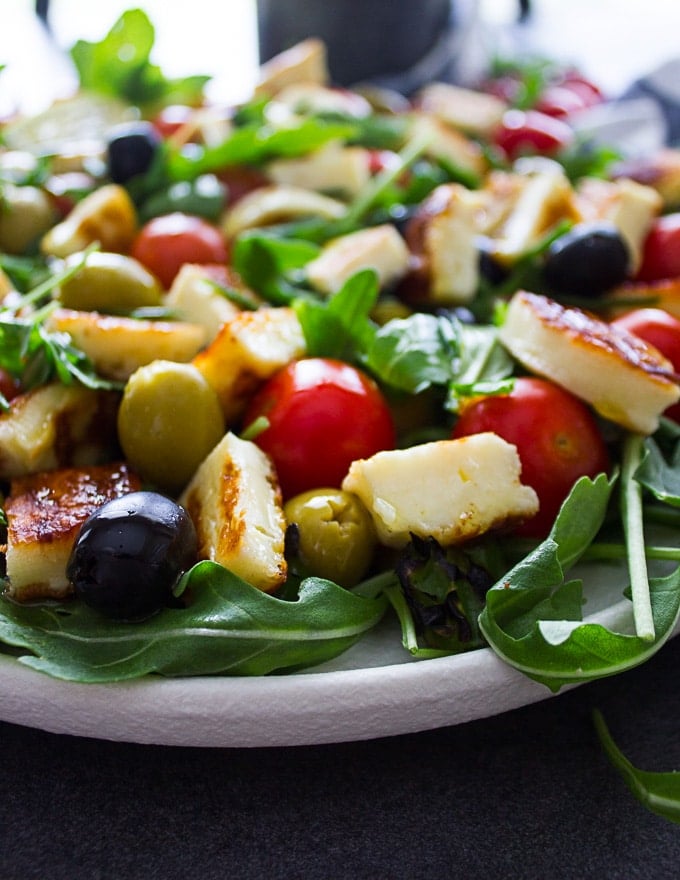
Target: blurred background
613,41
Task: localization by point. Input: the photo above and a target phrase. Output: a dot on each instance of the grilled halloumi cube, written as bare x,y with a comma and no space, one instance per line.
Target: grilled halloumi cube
334,168
234,501
380,248
623,378
311,98
44,513
249,349
660,170
468,110
106,215
448,145
277,203
443,239
117,346
630,206
662,294
451,490
57,426
195,296
545,199
303,63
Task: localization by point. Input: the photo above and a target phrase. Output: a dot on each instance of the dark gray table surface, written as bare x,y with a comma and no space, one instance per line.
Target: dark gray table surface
527,794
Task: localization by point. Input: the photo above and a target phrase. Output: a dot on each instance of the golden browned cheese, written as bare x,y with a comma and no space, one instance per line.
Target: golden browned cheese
44,513
586,329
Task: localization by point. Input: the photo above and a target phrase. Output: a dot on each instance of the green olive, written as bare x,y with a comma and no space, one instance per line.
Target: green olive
110,283
26,214
336,534
169,420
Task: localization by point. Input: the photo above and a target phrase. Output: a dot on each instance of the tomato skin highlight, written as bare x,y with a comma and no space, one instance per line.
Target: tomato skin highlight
661,250
660,329
531,132
556,435
164,244
323,414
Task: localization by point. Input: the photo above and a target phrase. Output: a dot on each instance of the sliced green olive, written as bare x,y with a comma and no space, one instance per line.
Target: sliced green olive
26,214
336,534
110,283
169,420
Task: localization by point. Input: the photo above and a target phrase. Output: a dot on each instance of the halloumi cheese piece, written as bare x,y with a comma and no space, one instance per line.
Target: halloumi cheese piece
44,513
630,206
448,145
303,63
545,199
334,168
662,294
107,215
311,98
249,349
660,170
380,248
278,203
451,490
117,346
445,229
234,501
470,111
57,426
621,376
194,296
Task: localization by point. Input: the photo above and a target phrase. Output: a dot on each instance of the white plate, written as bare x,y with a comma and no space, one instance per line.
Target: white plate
370,691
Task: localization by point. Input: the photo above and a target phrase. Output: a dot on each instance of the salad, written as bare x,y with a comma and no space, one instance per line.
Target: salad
270,373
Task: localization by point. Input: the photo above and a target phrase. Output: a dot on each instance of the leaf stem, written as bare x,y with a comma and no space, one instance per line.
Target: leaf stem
631,515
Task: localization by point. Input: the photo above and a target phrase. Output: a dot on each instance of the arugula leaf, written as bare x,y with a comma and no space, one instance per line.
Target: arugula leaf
411,354
340,326
35,355
253,144
532,618
659,471
229,628
120,65
264,262
658,792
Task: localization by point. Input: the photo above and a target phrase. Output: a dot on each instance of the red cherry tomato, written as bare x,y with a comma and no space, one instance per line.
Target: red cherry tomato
661,330
560,101
661,250
165,243
323,414
530,132
241,180
172,118
557,439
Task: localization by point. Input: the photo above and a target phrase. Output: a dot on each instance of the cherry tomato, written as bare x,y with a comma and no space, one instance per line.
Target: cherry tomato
560,101
661,250
241,180
323,414
172,118
661,330
556,435
165,243
529,132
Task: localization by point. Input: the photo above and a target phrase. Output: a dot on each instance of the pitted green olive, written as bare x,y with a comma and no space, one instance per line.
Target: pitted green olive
26,214
169,420
336,534
110,283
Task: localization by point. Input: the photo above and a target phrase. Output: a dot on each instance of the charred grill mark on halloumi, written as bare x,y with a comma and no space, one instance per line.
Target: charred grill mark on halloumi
44,513
234,501
621,376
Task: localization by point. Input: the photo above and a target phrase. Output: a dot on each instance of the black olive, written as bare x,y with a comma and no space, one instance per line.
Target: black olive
489,267
131,149
130,553
588,260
